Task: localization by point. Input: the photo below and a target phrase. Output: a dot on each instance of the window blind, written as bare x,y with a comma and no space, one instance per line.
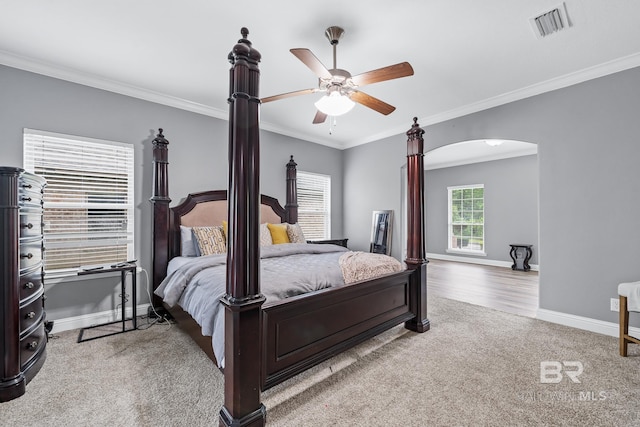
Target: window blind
88,199
314,205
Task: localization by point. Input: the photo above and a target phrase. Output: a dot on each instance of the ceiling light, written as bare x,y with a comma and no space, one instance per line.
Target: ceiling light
334,104
493,142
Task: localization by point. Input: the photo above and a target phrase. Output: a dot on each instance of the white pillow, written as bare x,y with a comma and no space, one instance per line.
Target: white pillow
188,245
265,235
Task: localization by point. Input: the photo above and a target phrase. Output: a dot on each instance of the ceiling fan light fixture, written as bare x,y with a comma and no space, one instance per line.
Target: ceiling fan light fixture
335,104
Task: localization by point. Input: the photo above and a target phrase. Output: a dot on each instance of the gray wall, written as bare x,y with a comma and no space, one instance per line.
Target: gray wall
197,157
510,204
589,182
588,151
373,181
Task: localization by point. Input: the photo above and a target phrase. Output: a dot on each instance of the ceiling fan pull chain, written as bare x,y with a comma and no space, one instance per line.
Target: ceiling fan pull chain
333,122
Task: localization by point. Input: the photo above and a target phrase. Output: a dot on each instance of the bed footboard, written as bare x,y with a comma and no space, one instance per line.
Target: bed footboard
304,331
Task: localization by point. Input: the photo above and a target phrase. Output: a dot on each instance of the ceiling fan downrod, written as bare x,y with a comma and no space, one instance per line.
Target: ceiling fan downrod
334,34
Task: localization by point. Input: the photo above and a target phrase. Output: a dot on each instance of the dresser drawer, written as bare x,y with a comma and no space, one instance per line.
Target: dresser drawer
30,223
29,196
30,253
31,313
32,345
30,283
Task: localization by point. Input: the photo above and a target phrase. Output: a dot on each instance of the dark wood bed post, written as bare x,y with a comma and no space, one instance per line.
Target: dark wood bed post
416,260
292,192
243,301
160,201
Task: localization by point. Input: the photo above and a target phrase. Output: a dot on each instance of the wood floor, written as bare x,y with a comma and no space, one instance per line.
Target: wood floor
499,288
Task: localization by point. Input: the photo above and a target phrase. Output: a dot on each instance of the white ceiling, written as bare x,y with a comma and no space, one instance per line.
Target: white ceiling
468,55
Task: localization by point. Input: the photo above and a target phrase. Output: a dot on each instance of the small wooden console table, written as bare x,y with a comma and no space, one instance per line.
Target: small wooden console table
527,256
128,268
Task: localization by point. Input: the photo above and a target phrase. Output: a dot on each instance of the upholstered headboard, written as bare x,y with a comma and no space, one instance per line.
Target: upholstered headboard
210,208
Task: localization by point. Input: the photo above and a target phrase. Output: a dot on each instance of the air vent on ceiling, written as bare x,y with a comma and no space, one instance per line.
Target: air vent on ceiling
551,21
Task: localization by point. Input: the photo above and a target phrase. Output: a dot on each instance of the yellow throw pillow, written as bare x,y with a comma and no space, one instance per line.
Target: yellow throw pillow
210,240
224,227
278,233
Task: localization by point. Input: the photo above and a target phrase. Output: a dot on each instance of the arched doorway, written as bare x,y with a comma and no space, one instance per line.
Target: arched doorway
506,171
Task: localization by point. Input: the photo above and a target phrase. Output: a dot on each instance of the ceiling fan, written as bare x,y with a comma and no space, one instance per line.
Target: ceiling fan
339,86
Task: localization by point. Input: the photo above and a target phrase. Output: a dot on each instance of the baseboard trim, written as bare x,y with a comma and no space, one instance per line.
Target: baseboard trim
482,261
86,320
585,323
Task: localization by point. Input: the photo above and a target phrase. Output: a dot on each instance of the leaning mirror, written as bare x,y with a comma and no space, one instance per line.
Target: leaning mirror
381,232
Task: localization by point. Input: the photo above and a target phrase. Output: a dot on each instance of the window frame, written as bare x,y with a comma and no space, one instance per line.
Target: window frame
471,223
323,181
100,198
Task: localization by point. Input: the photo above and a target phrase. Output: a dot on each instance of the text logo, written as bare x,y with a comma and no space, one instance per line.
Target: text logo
551,371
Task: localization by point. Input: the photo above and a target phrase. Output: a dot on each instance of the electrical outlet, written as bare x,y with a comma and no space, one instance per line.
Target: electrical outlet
615,304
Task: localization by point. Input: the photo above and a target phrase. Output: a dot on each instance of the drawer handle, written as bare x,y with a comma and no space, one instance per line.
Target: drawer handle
32,345
29,226
26,199
27,186
31,315
28,256
29,285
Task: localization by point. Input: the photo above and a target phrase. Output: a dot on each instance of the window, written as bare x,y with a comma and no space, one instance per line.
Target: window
466,218
88,199
314,205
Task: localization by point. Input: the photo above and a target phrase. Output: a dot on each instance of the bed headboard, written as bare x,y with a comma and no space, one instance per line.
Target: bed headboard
200,209
210,208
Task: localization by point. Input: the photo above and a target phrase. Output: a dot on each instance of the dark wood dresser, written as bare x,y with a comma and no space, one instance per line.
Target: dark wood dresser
23,338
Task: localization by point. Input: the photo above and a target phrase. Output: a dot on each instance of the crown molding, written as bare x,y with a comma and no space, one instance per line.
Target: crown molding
91,80
601,70
74,76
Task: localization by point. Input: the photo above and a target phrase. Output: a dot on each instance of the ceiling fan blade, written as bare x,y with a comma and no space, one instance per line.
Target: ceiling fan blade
310,60
319,118
288,95
396,71
371,102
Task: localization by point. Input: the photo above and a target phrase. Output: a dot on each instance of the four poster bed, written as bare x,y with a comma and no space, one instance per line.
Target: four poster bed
266,340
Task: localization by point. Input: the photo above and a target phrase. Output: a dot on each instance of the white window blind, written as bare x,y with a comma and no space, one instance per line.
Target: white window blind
314,205
88,199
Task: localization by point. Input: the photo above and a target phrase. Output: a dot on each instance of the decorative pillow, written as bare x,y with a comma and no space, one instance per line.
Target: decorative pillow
188,246
225,228
278,233
295,233
211,240
265,235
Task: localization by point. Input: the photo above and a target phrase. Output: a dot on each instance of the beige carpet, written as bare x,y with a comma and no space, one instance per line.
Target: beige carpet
476,367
